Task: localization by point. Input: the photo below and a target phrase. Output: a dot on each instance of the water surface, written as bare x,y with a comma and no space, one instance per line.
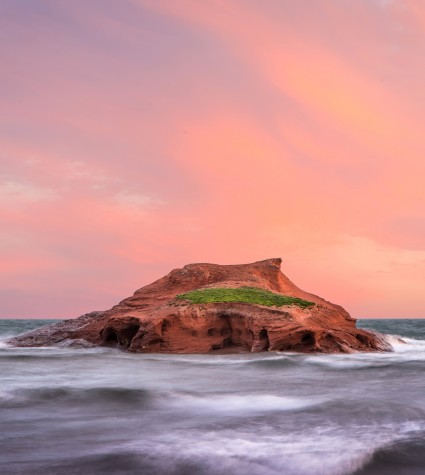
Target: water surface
97,411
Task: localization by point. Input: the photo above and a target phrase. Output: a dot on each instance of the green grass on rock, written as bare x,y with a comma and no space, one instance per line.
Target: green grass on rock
251,295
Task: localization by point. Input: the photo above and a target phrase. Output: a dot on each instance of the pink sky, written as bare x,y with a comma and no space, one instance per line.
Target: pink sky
142,135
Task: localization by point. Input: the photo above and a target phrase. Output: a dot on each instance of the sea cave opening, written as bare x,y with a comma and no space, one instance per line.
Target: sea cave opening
123,337
263,337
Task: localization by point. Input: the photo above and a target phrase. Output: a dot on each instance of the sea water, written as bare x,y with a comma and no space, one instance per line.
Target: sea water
103,411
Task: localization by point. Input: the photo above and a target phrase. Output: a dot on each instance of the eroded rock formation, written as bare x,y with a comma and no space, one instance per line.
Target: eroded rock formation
155,320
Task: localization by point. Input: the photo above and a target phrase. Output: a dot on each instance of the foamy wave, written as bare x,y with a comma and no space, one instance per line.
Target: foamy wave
4,343
331,450
404,350
352,361
403,344
217,360
7,396
393,340
243,404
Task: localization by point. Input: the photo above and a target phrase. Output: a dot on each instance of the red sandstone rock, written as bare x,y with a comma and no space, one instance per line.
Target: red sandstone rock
154,320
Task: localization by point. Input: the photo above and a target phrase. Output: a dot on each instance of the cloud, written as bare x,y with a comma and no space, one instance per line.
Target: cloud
136,205
13,192
136,200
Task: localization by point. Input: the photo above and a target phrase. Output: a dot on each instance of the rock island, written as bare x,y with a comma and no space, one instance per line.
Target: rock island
204,308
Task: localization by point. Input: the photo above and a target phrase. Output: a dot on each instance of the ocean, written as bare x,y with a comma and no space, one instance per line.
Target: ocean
103,411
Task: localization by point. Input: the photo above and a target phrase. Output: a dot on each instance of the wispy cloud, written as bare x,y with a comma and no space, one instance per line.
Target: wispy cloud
136,200
15,192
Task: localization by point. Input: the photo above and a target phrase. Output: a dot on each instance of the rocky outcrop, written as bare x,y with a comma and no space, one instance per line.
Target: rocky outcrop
154,319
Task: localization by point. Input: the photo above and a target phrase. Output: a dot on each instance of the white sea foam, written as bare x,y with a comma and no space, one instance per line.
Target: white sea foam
243,404
7,396
403,350
221,360
4,344
402,344
331,450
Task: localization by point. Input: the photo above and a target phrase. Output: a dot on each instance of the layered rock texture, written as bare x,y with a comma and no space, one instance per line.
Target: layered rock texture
159,318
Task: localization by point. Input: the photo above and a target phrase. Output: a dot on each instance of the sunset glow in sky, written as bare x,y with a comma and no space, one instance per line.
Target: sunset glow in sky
142,135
